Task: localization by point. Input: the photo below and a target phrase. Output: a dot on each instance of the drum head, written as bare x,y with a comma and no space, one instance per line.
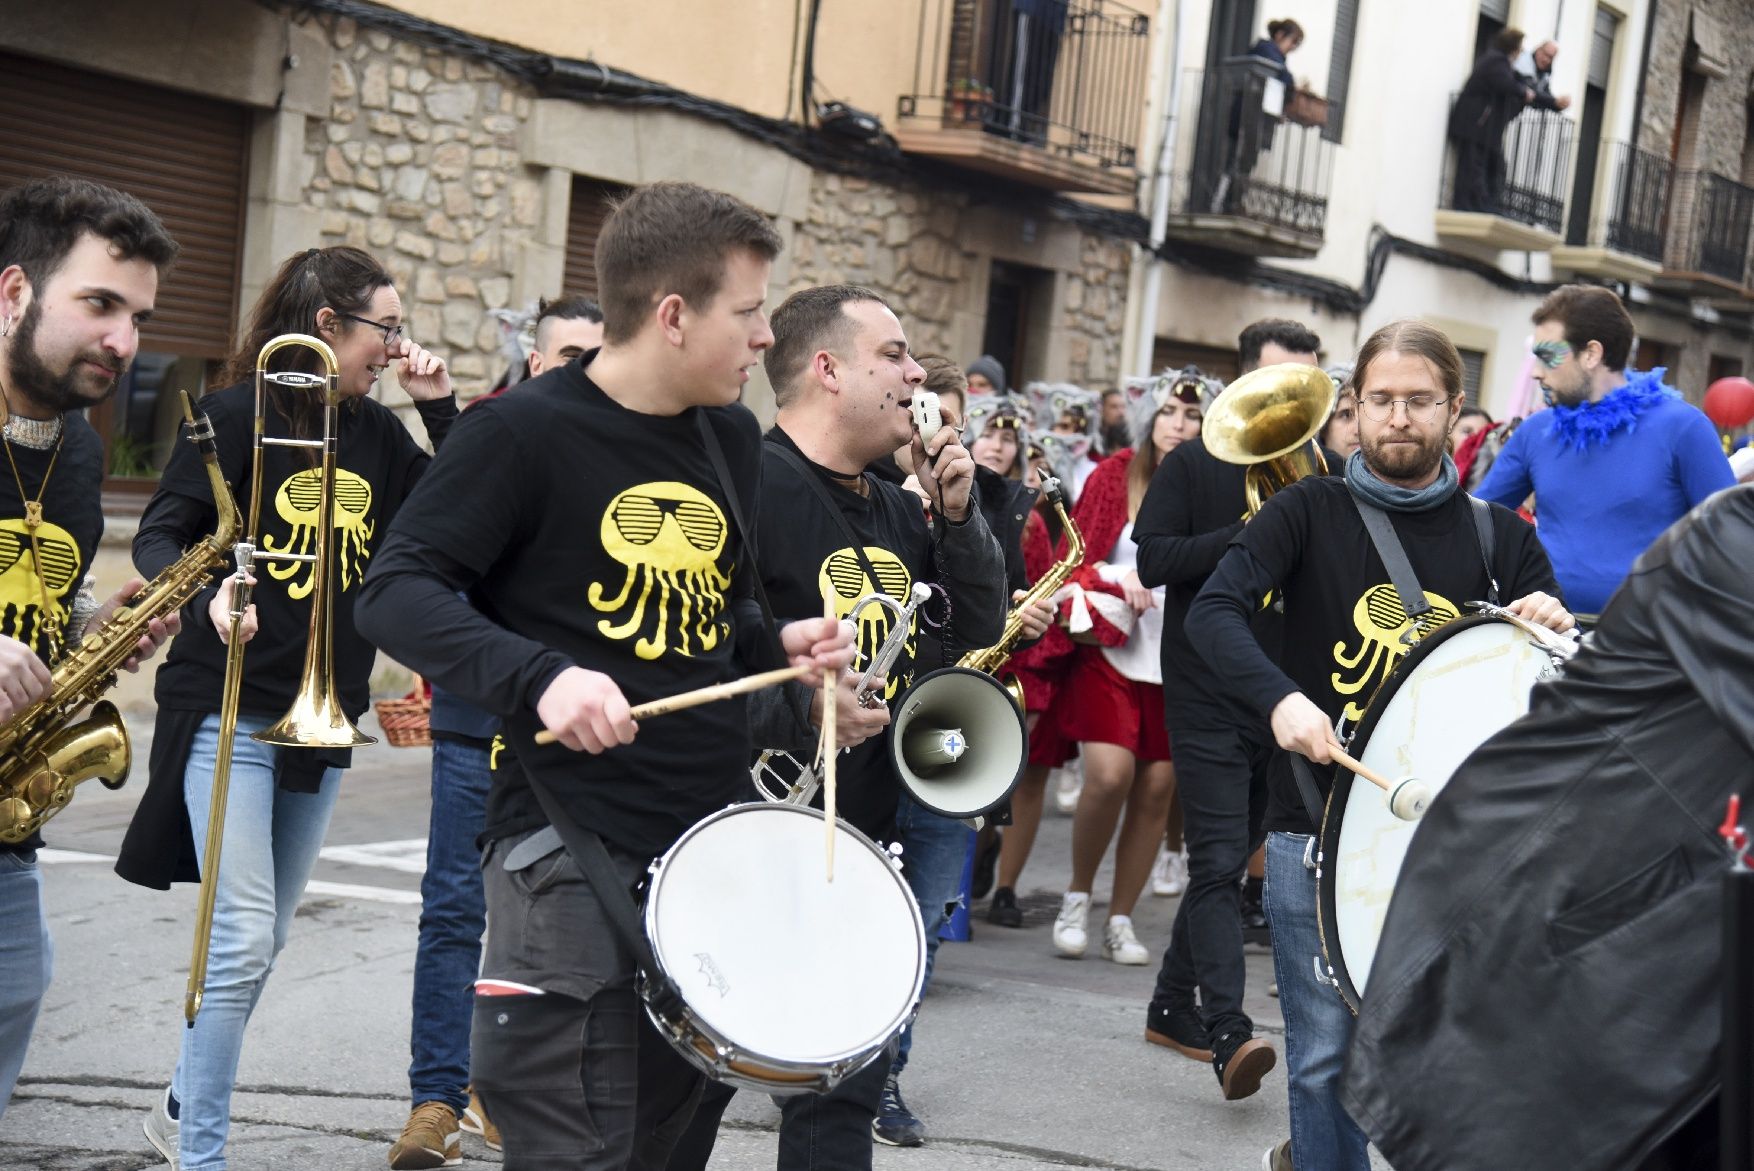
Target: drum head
770,955
1461,684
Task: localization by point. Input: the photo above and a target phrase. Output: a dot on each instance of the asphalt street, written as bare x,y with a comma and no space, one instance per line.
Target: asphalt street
1022,1060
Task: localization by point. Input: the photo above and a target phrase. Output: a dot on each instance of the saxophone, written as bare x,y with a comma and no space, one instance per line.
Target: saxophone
43,756
992,658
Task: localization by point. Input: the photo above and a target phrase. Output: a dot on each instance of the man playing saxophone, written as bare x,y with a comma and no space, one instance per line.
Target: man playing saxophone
79,270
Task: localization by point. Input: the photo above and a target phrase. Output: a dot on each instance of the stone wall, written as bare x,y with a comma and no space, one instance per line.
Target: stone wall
1724,117
922,250
418,163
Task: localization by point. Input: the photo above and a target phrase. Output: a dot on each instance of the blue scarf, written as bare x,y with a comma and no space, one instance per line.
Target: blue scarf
1585,424
1392,498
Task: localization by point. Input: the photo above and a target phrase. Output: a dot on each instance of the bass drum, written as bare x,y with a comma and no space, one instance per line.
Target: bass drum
1461,684
790,983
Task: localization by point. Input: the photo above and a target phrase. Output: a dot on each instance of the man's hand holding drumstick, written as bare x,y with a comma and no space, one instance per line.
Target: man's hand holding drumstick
586,711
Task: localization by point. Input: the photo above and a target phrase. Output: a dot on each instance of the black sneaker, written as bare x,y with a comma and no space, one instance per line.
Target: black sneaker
895,1125
985,863
1241,1061
1178,1027
1003,911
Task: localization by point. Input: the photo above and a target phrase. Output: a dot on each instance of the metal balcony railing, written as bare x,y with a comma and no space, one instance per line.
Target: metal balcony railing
1525,181
1068,76
1710,221
1259,153
1638,201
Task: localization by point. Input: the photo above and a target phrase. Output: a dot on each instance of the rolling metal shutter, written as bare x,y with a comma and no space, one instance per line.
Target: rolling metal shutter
584,221
185,157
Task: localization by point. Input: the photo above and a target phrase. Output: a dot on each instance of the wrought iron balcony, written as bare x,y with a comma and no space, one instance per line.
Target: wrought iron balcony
1512,197
1046,92
1257,179
1707,254
1623,239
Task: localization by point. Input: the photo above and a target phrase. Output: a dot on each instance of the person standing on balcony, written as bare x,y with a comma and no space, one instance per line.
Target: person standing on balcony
1282,39
1489,102
1617,459
1535,69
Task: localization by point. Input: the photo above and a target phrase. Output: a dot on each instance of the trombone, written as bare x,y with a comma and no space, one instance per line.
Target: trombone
315,719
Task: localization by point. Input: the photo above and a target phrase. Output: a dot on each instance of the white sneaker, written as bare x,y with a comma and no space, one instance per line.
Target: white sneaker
1120,944
1067,789
1169,877
1071,936
162,1131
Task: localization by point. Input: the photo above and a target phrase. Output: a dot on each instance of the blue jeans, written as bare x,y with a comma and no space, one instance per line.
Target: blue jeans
453,914
1318,1024
933,849
26,960
271,841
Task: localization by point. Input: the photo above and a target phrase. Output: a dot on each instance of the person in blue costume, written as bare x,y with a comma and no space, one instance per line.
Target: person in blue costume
1617,459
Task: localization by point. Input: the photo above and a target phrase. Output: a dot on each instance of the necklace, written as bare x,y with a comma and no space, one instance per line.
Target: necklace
33,519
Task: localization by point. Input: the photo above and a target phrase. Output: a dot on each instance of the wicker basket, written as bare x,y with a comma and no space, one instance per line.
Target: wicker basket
407,722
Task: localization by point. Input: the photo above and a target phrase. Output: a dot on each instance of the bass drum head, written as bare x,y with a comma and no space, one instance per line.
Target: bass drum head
772,957
1459,686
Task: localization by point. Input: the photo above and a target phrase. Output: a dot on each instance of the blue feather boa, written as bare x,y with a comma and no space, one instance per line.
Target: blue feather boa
1594,423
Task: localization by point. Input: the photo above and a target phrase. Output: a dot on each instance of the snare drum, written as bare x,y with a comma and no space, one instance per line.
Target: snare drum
790,982
1461,684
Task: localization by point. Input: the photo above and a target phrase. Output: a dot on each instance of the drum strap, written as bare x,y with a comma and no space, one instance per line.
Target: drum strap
1394,559
716,454
1483,535
593,861
1307,789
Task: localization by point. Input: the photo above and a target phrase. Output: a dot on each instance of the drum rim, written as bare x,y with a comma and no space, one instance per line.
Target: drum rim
834,1066
1333,810
959,815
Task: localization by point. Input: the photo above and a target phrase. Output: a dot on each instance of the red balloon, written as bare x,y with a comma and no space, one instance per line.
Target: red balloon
1729,402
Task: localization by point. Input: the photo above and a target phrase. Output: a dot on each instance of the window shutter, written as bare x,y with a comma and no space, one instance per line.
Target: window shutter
1340,68
584,222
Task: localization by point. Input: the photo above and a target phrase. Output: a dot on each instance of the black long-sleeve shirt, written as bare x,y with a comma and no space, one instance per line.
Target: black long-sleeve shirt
1343,618
585,534
1192,511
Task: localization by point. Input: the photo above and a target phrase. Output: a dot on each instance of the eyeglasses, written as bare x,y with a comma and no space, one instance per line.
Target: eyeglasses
1421,408
392,333
1552,354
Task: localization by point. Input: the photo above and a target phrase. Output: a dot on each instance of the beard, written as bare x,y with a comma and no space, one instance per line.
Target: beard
70,390
1403,460
1562,397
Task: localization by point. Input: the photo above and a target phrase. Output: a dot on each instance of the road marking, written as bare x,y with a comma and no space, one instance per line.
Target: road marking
313,889
406,854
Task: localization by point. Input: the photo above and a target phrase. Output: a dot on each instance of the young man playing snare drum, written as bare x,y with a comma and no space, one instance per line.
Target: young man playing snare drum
1344,622
585,518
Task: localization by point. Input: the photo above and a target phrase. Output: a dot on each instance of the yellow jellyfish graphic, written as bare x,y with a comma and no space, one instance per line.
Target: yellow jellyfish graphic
670,536
22,580
1382,622
844,579
296,502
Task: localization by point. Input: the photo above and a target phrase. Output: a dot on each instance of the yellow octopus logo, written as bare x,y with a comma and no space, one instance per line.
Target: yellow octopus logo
22,580
296,502
670,536
1382,624
844,579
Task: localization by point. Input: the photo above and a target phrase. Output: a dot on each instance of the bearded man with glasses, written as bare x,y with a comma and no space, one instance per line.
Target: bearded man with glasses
1617,459
1312,545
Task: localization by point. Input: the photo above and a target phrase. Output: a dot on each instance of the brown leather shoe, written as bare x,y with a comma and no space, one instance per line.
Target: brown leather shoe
1241,1070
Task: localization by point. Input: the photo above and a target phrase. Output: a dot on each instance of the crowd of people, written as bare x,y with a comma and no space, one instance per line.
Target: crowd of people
1201,720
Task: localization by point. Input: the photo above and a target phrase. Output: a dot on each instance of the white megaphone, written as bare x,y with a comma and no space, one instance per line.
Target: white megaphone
958,742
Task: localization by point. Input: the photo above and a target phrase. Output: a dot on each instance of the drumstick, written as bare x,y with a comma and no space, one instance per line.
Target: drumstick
1408,797
828,748
700,695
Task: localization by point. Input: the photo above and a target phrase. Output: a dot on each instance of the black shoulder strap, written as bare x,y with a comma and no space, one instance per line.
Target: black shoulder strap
1484,535
820,490
593,860
1308,789
715,453
1394,557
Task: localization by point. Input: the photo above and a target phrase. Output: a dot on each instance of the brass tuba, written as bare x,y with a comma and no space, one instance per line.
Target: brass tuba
42,755
315,719
1269,419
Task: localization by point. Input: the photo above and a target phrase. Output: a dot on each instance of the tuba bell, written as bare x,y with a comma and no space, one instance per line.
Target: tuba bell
1269,419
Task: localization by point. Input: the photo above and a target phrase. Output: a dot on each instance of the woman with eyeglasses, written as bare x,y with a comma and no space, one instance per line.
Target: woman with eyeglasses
280,800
